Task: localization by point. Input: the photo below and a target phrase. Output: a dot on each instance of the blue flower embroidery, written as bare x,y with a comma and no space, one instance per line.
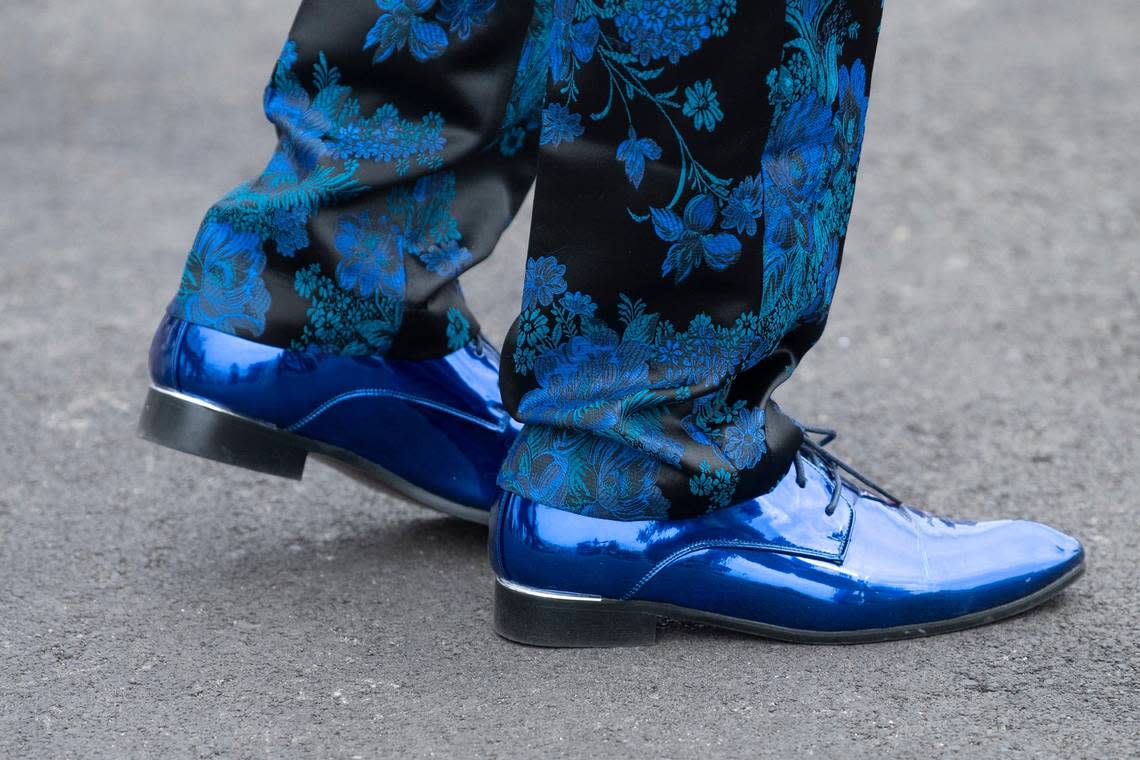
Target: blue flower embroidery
300,178
796,163
851,111
401,24
693,241
418,222
427,230
703,105
579,305
571,43
340,321
539,466
560,125
222,286
744,440
744,206
717,486
622,483
667,28
721,22
463,15
458,329
289,230
795,157
642,32
598,381
585,474
634,151
511,140
528,93
545,280
388,138
533,327
583,382
445,259
809,163
825,284
370,262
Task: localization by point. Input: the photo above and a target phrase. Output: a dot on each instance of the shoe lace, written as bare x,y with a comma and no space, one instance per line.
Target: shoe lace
813,451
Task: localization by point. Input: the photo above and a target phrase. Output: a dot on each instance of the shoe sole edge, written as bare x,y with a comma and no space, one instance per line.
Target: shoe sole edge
195,426
559,620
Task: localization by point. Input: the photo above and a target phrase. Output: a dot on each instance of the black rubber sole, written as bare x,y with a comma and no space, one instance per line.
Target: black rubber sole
555,619
193,426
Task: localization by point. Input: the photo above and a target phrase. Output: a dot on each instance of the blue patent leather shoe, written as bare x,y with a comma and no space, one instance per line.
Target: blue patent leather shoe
432,430
815,560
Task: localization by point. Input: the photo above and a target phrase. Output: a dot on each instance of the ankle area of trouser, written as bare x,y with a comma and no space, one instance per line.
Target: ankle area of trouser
400,161
595,475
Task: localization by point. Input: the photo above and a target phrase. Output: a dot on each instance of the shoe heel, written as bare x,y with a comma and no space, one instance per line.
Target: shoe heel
562,620
185,425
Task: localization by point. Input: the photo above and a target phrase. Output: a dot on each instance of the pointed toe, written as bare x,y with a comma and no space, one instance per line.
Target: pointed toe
1048,554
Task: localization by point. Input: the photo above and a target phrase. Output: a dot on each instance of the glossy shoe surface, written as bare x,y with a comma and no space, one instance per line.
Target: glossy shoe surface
778,566
433,430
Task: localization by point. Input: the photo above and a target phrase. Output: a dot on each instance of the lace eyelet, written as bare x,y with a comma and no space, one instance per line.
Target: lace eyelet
834,467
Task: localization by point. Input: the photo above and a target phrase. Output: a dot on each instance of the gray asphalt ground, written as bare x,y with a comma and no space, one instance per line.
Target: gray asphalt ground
983,359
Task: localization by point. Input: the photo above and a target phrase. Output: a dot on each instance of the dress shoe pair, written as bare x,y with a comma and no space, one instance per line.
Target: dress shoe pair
817,559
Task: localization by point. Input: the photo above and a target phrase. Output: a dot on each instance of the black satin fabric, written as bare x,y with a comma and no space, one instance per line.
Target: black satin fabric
791,79
694,180
469,88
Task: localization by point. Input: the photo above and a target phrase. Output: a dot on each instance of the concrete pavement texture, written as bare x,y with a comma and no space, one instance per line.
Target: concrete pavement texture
983,359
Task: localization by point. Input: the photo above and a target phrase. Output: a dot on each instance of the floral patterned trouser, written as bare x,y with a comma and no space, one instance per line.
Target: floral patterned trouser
695,164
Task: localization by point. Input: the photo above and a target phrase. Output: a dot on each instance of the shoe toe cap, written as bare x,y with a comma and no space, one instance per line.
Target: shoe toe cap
975,567
1017,554
913,568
